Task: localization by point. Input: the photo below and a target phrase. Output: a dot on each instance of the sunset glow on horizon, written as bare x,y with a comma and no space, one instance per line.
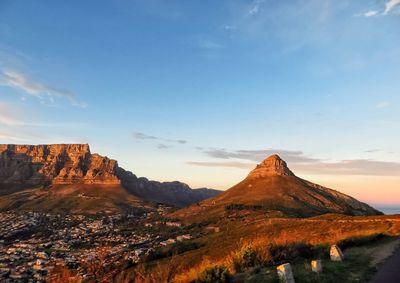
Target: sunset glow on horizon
202,91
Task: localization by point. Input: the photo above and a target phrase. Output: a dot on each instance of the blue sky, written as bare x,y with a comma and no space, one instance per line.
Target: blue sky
200,91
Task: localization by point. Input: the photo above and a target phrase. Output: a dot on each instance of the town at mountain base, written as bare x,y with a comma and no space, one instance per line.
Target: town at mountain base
81,205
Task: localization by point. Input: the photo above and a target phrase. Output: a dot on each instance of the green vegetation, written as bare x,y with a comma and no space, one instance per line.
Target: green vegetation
254,264
48,251
360,241
216,274
250,256
237,206
290,252
246,258
175,249
356,268
251,245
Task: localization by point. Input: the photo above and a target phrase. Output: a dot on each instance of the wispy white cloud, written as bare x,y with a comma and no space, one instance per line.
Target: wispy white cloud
258,155
371,150
366,167
143,136
229,164
390,6
300,162
20,81
13,57
371,13
255,7
7,118
209,44
286,24
229,27
163,146
13,117
4,135
383,104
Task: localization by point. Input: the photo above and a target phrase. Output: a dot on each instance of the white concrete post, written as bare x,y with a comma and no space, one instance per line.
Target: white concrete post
285,273
316,266
336,253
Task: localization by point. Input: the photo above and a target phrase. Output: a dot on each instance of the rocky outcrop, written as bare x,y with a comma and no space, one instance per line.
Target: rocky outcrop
272,166
26,166
29,165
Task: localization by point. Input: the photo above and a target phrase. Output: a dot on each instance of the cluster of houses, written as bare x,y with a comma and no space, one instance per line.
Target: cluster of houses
16,224
20,261
33,244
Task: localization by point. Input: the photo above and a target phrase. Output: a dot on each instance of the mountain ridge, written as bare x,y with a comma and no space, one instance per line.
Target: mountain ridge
272,188
55,165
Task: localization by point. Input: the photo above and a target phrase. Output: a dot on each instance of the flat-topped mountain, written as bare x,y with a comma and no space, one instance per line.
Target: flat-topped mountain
56,164
63,170
274,189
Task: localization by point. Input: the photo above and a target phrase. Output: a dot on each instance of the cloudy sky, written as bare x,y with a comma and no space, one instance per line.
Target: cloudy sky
200,91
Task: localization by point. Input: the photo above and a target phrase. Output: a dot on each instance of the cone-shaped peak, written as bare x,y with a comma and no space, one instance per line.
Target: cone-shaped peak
273,157
272,166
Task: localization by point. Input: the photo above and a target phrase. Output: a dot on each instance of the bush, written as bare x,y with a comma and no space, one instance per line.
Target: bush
216,274
168,251
359,241
246,258
238,206
250,256
320,251
283,253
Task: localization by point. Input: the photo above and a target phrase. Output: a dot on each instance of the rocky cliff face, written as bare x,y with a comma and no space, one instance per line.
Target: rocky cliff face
29,165
272,166
172,193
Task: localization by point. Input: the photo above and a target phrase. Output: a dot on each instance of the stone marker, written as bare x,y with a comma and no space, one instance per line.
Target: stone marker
316,266
285,273
336,253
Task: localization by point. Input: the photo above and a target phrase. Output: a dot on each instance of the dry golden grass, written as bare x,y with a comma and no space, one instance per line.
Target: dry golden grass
223,248
159,273
62,274
227,247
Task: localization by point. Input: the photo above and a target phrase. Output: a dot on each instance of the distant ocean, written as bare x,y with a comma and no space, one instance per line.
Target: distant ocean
389,210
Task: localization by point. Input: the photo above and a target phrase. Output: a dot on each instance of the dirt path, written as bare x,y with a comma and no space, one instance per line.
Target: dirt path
389,272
